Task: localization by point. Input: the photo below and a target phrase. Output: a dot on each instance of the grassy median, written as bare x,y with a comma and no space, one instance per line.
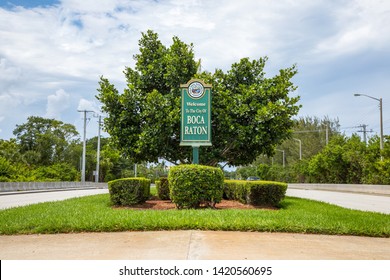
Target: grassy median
95,214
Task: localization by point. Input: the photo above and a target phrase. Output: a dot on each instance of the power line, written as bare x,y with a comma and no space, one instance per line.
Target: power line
305,131
364,130
317,130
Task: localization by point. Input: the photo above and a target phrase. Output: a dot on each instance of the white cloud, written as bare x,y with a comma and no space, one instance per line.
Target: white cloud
2,118
362,26
57,103
91,6
336,44
7,101
8,75
8,72
87,105
48,40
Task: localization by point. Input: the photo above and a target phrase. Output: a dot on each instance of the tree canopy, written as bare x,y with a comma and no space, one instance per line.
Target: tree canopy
343,160
251,113
50,150
340,160
44,141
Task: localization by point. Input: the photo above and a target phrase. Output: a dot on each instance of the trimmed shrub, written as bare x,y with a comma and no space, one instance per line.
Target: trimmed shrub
236,190
162,187
194,185
129,191
266,193
259,193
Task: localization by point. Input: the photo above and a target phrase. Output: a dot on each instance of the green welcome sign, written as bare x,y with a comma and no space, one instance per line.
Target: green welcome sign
195,115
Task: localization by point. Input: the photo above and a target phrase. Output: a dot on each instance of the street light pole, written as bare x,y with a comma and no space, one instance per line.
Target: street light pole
381,116
300,148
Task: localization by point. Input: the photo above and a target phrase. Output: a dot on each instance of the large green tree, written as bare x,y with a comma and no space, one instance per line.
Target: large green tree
44,141
251,113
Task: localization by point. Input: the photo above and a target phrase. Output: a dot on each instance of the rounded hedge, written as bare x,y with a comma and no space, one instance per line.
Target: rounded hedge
194,185
260,193
162,187
129,191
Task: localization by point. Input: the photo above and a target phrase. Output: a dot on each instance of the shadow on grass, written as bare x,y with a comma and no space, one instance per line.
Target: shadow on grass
285,204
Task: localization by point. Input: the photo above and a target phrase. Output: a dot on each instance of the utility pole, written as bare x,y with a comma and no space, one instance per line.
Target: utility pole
381,124
327,135
98,152
284,158
364,130
84,145
200,66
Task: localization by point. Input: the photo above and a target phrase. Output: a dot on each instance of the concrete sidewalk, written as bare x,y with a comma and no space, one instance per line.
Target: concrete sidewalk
192,245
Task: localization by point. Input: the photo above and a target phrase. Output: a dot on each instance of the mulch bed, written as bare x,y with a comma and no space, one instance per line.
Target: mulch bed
155,204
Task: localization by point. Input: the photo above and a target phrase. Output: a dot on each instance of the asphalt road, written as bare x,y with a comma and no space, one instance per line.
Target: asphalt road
364,202
25,198
357,201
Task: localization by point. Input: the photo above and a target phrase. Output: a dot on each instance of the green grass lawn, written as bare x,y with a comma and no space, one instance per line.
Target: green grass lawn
95,214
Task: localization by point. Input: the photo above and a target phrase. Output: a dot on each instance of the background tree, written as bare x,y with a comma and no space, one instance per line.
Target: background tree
9,149
311,131
43,150
329,166
377,170
113,164
44,141
251,114
344,160
6,169
244,172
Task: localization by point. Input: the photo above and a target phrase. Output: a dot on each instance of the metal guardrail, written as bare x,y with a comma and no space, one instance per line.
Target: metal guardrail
356,188
34,186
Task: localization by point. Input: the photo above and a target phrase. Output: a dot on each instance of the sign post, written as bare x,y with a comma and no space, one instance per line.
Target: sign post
195,116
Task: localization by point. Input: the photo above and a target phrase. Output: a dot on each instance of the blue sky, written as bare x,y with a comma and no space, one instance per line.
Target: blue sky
27,3
52,53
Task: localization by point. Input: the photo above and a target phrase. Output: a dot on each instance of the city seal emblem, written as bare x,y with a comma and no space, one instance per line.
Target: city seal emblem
196,90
